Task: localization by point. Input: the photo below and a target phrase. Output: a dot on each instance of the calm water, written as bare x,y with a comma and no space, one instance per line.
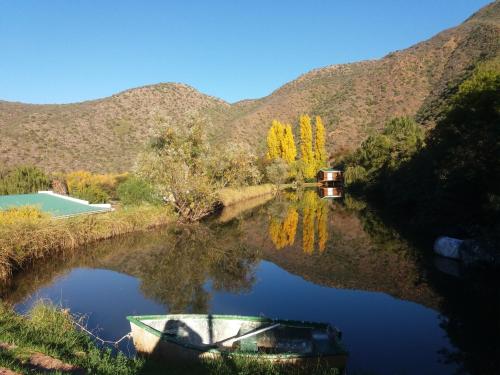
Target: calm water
295,257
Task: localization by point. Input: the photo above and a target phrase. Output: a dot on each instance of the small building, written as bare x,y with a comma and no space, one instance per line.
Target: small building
326,192
54,204
326,175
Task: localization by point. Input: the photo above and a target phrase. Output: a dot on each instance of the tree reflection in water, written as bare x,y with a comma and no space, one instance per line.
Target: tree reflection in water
314,212
198,254
173,265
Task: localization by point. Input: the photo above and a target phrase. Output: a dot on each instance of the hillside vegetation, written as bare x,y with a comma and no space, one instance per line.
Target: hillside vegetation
450,181
354,100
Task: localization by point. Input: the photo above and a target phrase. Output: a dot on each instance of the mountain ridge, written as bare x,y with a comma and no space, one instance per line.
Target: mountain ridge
354,99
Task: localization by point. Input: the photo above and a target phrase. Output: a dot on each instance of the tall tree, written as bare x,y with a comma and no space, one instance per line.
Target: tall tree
320,155
289,149
273,142
306,147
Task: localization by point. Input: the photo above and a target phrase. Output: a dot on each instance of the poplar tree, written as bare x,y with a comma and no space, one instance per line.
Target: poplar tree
320,155
306,147
273,142
279,129
290,151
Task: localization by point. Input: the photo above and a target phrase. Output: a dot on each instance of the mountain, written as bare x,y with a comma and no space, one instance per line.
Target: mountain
353,99
97,135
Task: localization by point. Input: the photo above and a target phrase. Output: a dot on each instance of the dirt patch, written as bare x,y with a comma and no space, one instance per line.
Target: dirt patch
45,363
6,371
6,346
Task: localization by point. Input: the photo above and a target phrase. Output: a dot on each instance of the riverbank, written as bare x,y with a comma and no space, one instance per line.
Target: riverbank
26,239
27,235
47,340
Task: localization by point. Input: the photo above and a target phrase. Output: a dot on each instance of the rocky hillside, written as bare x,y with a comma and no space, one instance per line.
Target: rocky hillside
354,100
98,135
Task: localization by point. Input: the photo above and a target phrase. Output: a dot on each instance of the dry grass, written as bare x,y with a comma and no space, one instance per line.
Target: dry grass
25,240
21,215
229,196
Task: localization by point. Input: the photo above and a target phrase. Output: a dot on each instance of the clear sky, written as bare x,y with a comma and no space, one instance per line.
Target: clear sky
59,51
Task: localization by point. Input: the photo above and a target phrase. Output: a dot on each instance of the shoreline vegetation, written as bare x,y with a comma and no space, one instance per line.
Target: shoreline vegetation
33,235
439,181
27,234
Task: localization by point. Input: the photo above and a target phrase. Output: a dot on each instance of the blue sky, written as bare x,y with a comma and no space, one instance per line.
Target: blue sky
62,51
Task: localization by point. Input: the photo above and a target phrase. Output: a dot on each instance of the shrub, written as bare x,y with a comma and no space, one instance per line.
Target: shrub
278,171
179,165
355,174
379,154
92,193
26,214
23,180
134,191
237,166
94,188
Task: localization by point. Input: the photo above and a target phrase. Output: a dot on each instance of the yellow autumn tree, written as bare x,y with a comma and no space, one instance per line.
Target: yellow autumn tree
280,142
306,147
320,155
289,149
273,141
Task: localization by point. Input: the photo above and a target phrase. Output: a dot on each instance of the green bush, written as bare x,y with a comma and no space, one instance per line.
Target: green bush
451,181
23,180
380,154
180,165
134,191
355,174
92,193
277,172
456,178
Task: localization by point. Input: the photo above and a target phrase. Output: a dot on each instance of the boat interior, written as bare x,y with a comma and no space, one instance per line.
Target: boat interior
246,335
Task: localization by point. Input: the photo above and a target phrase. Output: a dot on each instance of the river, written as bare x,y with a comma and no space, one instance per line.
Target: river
294,257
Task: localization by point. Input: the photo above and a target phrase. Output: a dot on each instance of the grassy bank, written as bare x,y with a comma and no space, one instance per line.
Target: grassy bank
229,196
51,333
26,234
31,237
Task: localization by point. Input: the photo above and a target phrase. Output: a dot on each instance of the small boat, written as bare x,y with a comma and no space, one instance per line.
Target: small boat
195,337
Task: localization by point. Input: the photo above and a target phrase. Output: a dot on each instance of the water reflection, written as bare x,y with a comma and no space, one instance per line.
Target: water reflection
173,265
282,231
314,212
297,256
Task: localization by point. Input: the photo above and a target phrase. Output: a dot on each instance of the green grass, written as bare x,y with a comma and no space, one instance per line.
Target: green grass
52,332
23,241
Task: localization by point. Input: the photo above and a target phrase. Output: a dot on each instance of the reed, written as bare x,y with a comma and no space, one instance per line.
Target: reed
25,238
